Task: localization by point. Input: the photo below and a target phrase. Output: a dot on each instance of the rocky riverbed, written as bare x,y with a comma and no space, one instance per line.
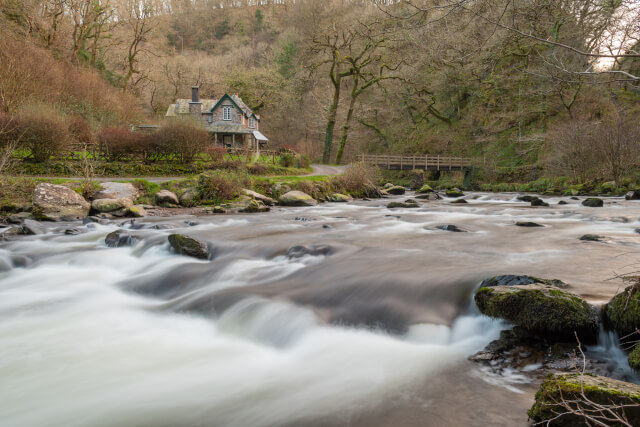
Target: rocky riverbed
355,313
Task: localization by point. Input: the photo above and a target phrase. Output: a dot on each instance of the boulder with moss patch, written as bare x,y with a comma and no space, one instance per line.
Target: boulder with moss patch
454,192
110,205
572,389
189,246
58,203
340,198
425,189
622,313
593,202
297,198
396,190
539,306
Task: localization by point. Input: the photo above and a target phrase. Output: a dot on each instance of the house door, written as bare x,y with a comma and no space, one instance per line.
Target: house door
227,140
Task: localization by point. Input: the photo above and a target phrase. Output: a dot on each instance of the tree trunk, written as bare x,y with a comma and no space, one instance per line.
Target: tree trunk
347,120
331,121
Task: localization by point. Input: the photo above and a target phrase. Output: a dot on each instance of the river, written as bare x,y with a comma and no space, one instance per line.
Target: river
372,328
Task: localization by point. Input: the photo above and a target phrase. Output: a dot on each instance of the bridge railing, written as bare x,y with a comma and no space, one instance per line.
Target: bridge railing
417,162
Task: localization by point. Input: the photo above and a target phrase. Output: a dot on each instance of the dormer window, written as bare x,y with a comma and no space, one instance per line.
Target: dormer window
226,113
252,122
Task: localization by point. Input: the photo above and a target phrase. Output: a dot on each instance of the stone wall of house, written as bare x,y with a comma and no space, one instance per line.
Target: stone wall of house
236,114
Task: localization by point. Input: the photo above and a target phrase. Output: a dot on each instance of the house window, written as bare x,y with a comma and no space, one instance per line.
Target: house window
252,122
226,113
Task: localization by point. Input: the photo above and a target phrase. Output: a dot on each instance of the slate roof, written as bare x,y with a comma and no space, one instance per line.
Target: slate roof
181,106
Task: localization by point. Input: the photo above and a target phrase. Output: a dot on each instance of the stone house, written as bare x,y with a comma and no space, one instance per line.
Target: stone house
231,123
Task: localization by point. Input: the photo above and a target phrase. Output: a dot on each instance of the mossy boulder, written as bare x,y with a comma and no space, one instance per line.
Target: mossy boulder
593,202
459,201
296,198
58,203
634,358
538,306
454,192
396,190
622,313
406,204
538,202
425,189
110,205
567,388
340,198
255,206
189,246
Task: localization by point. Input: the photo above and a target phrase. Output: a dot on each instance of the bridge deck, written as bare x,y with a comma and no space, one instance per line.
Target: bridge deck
432,163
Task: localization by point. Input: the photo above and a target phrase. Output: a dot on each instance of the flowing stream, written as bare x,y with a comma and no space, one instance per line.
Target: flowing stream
373,328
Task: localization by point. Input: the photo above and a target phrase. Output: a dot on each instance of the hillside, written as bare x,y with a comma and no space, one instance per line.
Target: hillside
400,79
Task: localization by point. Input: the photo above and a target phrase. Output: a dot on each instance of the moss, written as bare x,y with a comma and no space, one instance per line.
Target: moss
634,358
622,313
554,316
570,387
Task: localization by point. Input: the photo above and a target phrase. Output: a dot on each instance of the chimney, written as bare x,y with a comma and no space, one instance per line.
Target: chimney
195,106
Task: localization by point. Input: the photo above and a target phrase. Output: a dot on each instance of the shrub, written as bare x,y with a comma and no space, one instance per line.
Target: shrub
358,179
216,154
80,131
220,185
184,138
42,131
118,143
303,161
287,159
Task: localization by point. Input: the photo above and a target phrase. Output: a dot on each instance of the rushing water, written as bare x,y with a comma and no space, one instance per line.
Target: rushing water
375,331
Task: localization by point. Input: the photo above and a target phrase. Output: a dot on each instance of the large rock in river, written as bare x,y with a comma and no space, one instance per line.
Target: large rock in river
58,203
189,246
632,195
539,306
585,394
593,202
297,198
395,190
110,205
622,313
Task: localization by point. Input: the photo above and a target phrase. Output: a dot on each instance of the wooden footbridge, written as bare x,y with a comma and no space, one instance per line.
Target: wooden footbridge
427,162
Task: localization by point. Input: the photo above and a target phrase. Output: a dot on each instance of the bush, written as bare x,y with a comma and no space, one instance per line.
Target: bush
303,161
216,154
42,131
220,185
287,159
80,130
118,144
184,139
358,179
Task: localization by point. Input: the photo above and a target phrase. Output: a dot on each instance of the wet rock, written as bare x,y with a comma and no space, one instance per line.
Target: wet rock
388,185
17,218
538,202
255,206
461,201
30,226
297,198
327,226
268,201
5,264
425,189
575,198
454,192
137,211
451,227
622,313
117,190
192,223
58,203
591,238
527,198
528,224
166,197
569,387
20,261
514,280
593,202
111,205
632,195
562,202
189,246
90,219
72,231
540,308
340,198
370,191
637,230
120,238
396,190
407,204
312,250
